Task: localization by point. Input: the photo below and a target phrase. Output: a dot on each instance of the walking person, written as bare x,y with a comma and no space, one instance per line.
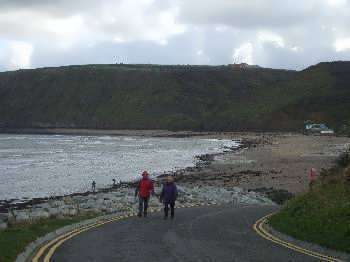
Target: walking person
93,186
312,178
168,197
143,191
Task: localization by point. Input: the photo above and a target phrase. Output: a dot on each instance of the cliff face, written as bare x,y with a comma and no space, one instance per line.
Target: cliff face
175,97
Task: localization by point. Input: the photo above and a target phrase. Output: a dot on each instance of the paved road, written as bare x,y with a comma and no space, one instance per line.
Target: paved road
198,234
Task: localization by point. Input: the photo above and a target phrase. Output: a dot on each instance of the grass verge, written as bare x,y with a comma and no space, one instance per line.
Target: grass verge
321,216
14,239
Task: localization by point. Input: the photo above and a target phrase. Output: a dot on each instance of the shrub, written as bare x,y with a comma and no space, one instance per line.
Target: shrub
344,159
347,174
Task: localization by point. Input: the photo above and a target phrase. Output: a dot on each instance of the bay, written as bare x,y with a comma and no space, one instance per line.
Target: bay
49,165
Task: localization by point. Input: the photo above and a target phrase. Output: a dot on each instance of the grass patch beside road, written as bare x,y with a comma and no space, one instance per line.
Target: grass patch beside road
14,239
321,216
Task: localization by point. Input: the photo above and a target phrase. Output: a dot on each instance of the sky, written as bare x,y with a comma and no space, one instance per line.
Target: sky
288,34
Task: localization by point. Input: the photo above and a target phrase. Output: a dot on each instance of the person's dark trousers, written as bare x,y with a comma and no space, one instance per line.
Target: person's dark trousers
143,205
166,209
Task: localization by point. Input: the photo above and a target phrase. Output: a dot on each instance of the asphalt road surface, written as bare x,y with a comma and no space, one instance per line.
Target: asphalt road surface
215,233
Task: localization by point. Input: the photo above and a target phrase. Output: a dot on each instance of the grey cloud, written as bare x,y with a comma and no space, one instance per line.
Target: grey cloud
106,18
175,31
249,14
56,7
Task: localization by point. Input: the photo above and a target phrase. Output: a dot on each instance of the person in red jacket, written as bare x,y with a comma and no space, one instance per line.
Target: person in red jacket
144,190
312,177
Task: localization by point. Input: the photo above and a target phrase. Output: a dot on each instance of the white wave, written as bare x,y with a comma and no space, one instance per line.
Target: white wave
19,137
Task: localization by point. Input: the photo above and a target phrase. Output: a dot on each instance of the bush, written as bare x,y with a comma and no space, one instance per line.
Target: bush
344,159
347,174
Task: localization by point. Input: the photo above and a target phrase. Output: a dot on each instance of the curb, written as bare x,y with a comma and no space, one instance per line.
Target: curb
260,228
47,244
30,248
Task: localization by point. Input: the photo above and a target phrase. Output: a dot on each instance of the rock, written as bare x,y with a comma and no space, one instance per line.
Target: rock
54,212
99,202
110,211
63,211
43,206
3,225
87,211
89,204
79,199
39,214
84,206
72,212
107,203
56,203
18,216
3,217
68,200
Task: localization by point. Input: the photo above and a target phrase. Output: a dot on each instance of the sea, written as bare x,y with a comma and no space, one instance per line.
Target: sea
34,166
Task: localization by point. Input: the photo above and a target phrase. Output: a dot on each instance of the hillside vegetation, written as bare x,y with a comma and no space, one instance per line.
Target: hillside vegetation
14,239
217,98
322,215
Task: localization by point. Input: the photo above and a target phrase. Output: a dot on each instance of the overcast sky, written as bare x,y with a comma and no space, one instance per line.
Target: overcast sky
290,34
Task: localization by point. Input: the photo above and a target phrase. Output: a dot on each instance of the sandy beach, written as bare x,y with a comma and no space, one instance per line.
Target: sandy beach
278,161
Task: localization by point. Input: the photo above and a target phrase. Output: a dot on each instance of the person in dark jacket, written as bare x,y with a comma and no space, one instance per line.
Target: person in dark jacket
93,186
143,191
168,197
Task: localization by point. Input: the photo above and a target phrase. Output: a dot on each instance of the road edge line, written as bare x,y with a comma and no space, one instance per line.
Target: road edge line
260,230
51,246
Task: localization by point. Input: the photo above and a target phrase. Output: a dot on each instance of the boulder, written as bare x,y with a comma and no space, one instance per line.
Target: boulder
3,217
99,202
43,206
68,200
72,212
79,199
18,216
3,225
54,212
39,214
56,203
84,206
89,204
63,211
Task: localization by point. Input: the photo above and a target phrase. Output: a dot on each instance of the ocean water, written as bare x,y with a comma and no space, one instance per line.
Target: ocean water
48,165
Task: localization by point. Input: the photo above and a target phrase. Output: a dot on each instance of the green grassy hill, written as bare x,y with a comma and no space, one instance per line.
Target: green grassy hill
175,97
322,215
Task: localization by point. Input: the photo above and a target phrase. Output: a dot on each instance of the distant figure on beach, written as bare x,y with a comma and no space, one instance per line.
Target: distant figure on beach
312,177
143,191
93,186
168,197
114,184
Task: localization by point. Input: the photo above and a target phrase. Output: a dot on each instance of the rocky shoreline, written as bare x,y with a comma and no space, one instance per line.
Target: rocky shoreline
123,200
120,198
